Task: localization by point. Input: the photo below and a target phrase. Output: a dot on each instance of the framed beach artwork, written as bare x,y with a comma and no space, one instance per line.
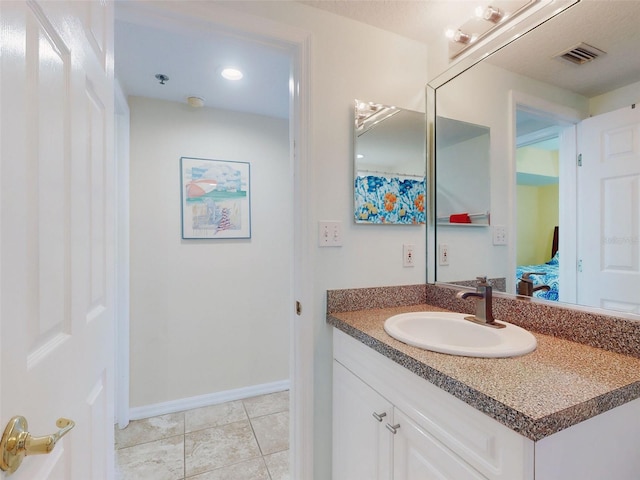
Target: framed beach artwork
216,199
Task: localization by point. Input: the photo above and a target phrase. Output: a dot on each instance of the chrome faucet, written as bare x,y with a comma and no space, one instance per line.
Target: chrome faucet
484,303
525,285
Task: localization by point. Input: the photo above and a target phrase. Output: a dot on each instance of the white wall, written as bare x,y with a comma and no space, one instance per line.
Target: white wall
206,315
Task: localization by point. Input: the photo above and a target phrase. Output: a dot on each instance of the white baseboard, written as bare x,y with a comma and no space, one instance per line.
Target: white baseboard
182,404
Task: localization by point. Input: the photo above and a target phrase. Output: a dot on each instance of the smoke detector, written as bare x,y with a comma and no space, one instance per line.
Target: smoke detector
580,54
195,102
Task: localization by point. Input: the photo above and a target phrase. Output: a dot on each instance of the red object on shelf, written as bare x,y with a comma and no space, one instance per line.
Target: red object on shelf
459,218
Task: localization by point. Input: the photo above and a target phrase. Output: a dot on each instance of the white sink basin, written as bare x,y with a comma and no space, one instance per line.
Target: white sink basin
450,333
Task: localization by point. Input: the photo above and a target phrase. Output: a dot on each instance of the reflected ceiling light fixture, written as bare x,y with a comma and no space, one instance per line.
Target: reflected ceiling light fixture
370,114
490,14
231,73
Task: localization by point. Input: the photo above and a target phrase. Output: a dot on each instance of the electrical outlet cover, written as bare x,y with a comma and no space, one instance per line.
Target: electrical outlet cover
443,256
408,259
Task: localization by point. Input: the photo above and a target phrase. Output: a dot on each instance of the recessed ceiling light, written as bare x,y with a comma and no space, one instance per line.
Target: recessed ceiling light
231,73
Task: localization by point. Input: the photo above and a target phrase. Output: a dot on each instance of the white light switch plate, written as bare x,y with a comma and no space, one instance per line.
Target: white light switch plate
330,234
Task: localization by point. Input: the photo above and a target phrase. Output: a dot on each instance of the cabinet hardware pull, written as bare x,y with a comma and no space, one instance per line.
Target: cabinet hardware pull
378,416
393,428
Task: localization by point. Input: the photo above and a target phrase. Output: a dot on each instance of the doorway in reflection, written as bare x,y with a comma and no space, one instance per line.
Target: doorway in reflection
537,200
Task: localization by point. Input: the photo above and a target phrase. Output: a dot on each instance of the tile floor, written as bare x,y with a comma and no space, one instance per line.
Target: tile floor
240,440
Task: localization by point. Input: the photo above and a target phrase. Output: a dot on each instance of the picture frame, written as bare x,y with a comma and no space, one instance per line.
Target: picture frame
216,198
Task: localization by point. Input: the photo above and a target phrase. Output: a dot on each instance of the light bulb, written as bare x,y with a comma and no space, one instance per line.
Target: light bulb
461,37
492,14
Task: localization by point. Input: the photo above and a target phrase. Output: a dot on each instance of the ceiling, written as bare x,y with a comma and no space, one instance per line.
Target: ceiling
192,59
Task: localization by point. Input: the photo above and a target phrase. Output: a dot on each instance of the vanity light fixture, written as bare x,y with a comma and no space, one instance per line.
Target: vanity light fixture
485,21
231,73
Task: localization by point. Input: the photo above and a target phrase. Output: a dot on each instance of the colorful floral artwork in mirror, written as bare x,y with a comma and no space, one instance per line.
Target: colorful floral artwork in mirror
390,200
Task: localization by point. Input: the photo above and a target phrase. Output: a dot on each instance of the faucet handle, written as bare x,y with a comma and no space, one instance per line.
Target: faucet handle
482,280
526,276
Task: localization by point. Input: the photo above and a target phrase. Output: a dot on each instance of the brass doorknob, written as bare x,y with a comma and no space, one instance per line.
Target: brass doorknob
17,442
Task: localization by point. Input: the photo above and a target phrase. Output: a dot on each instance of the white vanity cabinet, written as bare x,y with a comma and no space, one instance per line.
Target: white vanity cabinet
438,436
423,432
374,440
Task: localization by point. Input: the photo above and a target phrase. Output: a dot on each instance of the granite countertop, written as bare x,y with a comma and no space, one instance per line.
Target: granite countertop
558,385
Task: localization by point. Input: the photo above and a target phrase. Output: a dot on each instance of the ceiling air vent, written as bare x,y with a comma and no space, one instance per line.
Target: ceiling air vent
581,53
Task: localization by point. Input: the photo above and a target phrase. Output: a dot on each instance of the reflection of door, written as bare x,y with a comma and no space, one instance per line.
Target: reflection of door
609,211
56,252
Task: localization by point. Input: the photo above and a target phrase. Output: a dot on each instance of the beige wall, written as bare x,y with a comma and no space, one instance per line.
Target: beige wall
537,217
206,315
538,161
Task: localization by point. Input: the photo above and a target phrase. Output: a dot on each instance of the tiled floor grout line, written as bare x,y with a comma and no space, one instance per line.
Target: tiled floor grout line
184,446
255,437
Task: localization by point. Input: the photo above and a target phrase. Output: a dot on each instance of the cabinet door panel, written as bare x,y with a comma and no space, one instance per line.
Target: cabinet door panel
419,456
361,444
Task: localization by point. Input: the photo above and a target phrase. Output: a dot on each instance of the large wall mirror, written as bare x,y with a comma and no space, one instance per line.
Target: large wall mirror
389,165
564,168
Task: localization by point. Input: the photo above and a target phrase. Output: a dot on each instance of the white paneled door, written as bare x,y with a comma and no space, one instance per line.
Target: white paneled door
56,235
609,211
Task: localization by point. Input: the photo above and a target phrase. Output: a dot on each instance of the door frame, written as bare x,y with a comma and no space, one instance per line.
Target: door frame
296,43
121,153
563,116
